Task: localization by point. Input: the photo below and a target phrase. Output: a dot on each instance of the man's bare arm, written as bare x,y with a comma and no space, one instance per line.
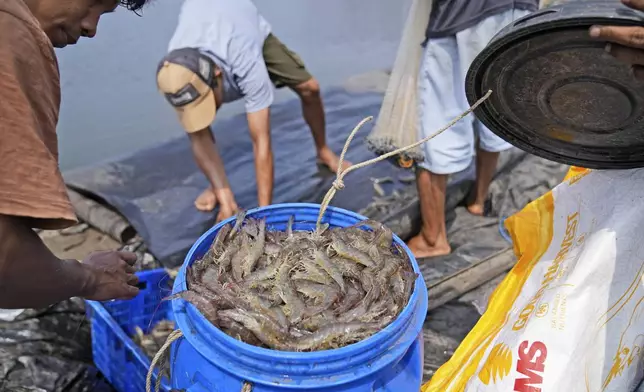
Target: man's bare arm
30,275
259,124
209,161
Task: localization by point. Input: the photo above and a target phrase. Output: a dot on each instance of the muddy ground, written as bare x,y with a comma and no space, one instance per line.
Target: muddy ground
77,242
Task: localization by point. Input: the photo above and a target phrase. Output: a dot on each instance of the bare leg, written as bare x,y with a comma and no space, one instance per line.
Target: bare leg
432,239
485,168
207,201
313,112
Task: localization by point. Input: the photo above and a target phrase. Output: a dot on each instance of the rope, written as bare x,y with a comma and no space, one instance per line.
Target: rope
148,380
338,184
174,336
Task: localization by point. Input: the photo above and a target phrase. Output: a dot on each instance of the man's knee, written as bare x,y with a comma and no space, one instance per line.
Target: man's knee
309,89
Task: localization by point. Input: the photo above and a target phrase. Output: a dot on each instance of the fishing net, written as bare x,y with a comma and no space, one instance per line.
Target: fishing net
397,121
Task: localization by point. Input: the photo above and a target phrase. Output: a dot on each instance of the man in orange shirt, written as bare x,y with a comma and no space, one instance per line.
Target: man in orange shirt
32,192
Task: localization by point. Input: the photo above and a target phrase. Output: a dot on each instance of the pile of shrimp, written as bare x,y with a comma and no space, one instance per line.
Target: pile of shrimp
151,342
301,290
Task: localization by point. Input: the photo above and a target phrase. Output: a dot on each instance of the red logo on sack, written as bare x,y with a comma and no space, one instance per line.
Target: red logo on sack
531,364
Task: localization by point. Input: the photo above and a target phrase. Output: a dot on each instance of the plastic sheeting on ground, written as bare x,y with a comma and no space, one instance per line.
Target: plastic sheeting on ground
155,188
48,350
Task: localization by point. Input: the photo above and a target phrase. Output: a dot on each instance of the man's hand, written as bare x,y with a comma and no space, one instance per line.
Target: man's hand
209,161
227,204
225,212
626,43
110,276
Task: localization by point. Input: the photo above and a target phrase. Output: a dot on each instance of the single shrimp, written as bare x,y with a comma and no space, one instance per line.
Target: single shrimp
224,260
264,274
241,215
225,297
250,227
213,252
383,237
324,336
257,250
376,310
289,227
397,285
271,296
343,250
263,312
410,279
204,292
294,307
376,255
354,313
206,308
315,322
271,337
369,284
279,315
351,299
312,274
387,271
367,243
327,265
237,261
298,333
347,268
324,296
238,331
218,243
258,284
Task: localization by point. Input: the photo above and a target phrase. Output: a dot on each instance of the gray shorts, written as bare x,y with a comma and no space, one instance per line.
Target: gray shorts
441,97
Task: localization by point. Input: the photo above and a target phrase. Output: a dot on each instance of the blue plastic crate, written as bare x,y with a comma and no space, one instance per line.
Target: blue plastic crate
502,230
116,355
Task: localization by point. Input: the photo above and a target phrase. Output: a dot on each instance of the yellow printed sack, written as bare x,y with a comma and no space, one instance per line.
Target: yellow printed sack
570,314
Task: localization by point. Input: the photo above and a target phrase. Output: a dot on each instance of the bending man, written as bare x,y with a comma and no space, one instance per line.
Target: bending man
223,51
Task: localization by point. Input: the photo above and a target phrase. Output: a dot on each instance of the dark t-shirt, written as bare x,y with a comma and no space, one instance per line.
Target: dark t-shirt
448,17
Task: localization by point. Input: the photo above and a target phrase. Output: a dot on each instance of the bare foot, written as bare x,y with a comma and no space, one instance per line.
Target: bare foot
207,201
476,209
332,161
421,248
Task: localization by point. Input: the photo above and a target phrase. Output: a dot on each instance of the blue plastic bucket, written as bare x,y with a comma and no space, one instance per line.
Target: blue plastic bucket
207,359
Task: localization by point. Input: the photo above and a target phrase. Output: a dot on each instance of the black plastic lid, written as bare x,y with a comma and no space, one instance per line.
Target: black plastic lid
557,93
